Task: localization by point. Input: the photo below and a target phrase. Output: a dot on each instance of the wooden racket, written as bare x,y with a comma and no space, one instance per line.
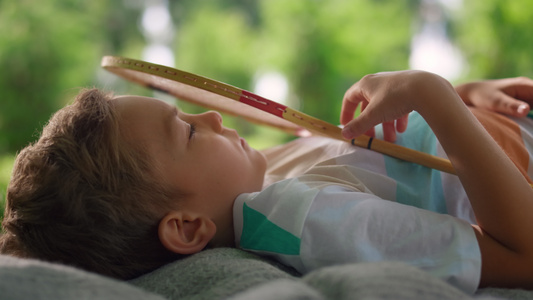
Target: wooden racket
225,98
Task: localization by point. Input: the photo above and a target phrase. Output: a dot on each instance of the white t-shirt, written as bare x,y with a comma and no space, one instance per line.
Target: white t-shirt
357,205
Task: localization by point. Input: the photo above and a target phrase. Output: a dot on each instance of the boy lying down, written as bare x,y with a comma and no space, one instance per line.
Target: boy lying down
123,185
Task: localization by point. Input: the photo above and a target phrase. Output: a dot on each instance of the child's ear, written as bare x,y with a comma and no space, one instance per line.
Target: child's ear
186,233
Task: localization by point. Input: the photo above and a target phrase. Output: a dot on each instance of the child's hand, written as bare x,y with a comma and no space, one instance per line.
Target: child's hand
500,95
385,98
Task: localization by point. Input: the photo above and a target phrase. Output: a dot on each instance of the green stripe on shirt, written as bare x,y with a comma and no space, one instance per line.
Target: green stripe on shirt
262,235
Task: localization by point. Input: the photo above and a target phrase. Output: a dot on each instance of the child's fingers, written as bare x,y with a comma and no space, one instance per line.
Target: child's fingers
519,87
371,132
358,126
351,130
348,111
521,109
355,95
392,128
401,123
511,106
389,131
350,102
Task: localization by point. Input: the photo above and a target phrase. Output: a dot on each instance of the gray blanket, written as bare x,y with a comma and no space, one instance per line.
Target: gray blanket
233,274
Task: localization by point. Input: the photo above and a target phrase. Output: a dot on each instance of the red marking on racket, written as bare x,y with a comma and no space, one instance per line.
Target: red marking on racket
262,103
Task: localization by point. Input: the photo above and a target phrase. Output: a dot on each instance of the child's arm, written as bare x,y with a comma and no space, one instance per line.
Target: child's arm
501,198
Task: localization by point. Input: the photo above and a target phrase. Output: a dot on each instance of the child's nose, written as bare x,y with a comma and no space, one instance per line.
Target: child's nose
214,119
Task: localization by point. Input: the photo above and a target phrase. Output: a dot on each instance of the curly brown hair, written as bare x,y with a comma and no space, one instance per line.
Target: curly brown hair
83,196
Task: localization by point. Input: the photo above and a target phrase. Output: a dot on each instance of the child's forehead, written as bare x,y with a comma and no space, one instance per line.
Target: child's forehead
144,121
135,105
135,98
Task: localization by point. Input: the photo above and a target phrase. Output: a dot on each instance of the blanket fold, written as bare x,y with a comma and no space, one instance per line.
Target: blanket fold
226,273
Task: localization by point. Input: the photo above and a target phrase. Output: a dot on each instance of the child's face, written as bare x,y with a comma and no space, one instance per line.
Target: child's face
194,153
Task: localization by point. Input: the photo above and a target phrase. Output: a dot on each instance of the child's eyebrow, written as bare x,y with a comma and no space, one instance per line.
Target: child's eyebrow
169,121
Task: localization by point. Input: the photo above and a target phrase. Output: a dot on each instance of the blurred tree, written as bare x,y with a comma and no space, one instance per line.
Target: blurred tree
216,42
325,46
322,47
495,37
47,49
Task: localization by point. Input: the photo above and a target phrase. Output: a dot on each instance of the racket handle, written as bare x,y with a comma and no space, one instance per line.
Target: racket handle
323,128
403,153
406,154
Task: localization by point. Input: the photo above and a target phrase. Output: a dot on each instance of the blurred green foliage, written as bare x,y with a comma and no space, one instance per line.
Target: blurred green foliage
493,35
322,47
49,49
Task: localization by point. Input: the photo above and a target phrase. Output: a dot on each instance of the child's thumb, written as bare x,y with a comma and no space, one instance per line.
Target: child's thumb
347,132
354,128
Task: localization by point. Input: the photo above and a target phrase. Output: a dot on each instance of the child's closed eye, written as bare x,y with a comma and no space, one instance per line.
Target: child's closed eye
192,130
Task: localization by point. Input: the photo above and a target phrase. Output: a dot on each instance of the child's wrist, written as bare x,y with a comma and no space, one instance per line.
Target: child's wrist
436,96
